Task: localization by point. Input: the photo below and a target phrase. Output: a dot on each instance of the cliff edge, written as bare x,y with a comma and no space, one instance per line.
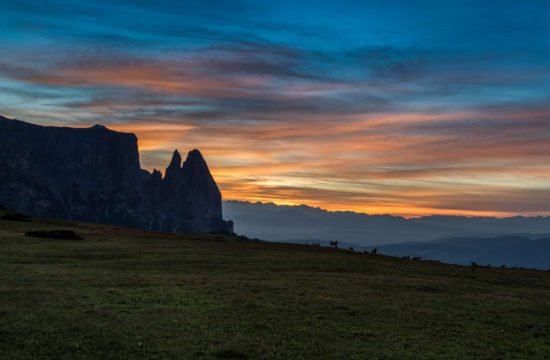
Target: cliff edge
94,175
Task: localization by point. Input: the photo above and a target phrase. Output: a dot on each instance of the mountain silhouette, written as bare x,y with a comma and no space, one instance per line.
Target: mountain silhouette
283,222
520,251
94,175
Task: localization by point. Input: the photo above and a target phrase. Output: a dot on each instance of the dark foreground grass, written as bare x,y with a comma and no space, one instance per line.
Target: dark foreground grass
122,294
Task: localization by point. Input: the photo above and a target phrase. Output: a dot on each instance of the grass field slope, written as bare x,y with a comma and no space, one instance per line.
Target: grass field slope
124,294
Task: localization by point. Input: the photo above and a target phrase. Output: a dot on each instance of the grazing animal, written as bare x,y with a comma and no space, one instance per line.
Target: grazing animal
334,244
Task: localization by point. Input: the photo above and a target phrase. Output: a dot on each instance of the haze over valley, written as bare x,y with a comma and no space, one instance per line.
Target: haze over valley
515,241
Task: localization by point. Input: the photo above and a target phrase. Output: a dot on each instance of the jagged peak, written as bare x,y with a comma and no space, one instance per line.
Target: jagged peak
195,156
173,170
156,174
195,165
176,160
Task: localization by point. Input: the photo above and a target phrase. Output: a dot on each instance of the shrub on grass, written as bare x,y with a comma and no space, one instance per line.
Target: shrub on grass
55,234
16,217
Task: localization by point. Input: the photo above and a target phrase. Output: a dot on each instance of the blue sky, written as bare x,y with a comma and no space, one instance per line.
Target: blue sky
397,106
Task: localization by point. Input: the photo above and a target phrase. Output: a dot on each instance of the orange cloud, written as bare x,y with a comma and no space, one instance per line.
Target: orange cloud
275,139
363,164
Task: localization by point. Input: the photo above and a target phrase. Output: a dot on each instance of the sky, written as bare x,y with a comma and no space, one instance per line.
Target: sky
402,107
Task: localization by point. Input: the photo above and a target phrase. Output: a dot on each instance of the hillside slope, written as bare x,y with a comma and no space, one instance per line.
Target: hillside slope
120,294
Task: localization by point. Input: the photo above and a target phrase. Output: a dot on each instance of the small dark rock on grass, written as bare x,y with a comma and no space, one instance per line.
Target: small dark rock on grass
16,217
55,234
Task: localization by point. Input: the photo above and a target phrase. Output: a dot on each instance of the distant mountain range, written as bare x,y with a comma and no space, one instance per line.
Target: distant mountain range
520,251
282,223
510,251
515,241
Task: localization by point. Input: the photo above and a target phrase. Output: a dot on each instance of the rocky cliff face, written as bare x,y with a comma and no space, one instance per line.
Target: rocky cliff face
94,175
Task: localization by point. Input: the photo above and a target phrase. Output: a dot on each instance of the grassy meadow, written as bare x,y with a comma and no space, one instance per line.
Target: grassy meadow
125,294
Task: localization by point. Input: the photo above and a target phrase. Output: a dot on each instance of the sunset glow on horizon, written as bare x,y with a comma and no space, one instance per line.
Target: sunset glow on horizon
334,107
